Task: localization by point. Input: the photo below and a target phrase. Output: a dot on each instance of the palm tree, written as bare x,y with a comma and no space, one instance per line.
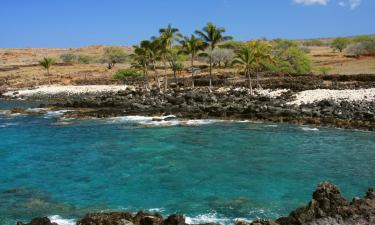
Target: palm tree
142,58
167,37
245,60
46,63
154,57
261,51
213,36
192,46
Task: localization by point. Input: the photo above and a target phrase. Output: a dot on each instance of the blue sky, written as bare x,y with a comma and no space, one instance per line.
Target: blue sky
75,23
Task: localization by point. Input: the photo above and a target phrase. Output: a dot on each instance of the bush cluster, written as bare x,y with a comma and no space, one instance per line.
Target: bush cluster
123,74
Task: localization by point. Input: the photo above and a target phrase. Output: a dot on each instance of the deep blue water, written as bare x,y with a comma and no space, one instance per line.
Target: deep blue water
221,170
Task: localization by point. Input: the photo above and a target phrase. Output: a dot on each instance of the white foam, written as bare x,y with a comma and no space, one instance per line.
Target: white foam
207,218
159,210
61,221
309,129
200,122
161,121
58,113
36,110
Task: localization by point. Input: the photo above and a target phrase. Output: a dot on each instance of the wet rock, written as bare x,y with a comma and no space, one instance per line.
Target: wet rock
107,219
38,221
174,220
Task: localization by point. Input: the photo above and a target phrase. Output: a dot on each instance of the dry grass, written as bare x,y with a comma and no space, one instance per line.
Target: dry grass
19,67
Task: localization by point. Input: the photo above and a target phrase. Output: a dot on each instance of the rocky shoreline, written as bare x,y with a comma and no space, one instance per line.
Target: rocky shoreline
327,207
353,109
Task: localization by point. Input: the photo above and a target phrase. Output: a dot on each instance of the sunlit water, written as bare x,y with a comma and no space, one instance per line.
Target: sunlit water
207,170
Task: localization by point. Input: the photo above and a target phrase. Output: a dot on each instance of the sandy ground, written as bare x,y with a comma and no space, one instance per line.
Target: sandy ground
308,96
55,90
311,96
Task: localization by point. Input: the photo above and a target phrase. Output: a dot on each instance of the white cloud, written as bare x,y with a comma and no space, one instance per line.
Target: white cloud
354,3
312,2
342,4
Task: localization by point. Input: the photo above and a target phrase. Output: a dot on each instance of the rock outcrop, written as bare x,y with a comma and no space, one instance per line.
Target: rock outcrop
327,207
227,104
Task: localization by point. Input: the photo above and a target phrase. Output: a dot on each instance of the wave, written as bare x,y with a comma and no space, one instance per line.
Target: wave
36,110
208,218
160,121
54,114
309,129
61,221
8,125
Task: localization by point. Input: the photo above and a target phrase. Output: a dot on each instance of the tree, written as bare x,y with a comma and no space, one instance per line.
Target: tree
175,60
68,57
288,58
340,43
222,56
46,63
142,57
213,36
155,54
192,46
261,51
245,59
166,39
113,55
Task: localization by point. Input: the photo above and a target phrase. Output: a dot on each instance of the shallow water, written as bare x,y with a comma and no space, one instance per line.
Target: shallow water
206,170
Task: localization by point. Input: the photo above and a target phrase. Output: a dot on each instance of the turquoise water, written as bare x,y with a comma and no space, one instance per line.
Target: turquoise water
206,170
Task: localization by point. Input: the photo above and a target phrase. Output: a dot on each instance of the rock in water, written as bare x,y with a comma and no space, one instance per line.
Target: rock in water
38,221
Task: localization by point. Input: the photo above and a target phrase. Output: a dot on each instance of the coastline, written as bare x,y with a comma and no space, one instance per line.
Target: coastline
349,108
327,206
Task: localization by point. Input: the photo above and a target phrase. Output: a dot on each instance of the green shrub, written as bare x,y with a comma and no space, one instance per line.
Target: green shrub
362,48
113,55
340,43
289,58
68,57
123,74
324,70
314,42
85,59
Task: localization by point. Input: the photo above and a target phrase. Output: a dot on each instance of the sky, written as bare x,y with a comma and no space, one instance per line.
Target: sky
77,23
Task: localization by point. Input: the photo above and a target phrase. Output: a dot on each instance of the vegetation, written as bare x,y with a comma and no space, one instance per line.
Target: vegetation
85,59
289,58
340,43
123,74
222,57
192,46
313,42
362,48
245,59
46,63
142,58
212,36
168,36
113,55
324,70
68,58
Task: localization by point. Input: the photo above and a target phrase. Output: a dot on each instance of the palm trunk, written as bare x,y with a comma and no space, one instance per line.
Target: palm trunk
165,76
249,79
192,71
156,74
146,77
211,70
